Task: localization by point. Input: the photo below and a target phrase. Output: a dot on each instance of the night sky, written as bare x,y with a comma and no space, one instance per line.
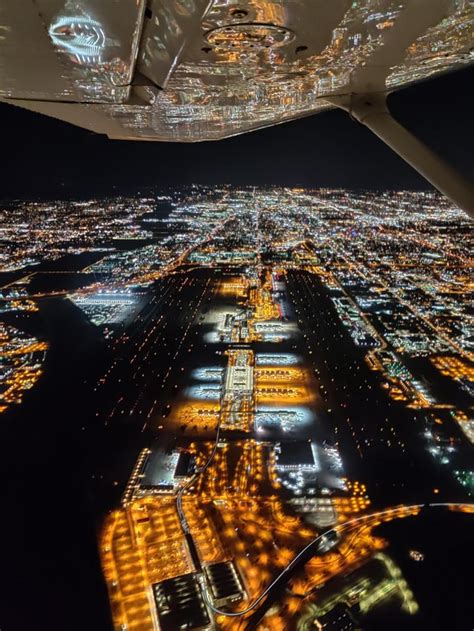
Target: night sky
46,158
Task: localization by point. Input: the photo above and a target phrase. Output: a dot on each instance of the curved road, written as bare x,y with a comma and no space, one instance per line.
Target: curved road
303,556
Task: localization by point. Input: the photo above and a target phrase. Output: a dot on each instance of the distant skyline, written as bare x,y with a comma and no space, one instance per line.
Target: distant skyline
46,158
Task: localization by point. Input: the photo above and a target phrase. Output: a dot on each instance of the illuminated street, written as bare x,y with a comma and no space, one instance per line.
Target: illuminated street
237,315
277,400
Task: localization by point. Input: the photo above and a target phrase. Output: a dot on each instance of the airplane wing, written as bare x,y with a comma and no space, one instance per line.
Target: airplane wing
193,70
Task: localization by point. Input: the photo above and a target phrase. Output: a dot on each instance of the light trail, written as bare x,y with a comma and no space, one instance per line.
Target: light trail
339,528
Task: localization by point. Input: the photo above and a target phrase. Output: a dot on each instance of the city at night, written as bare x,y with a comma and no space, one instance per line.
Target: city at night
237,369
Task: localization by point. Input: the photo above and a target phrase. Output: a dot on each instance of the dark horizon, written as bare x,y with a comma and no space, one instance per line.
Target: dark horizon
49,159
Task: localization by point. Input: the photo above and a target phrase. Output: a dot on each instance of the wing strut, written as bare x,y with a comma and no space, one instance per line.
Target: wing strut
371,110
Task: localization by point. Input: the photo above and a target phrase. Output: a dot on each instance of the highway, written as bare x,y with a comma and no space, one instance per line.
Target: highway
152,382
387,514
